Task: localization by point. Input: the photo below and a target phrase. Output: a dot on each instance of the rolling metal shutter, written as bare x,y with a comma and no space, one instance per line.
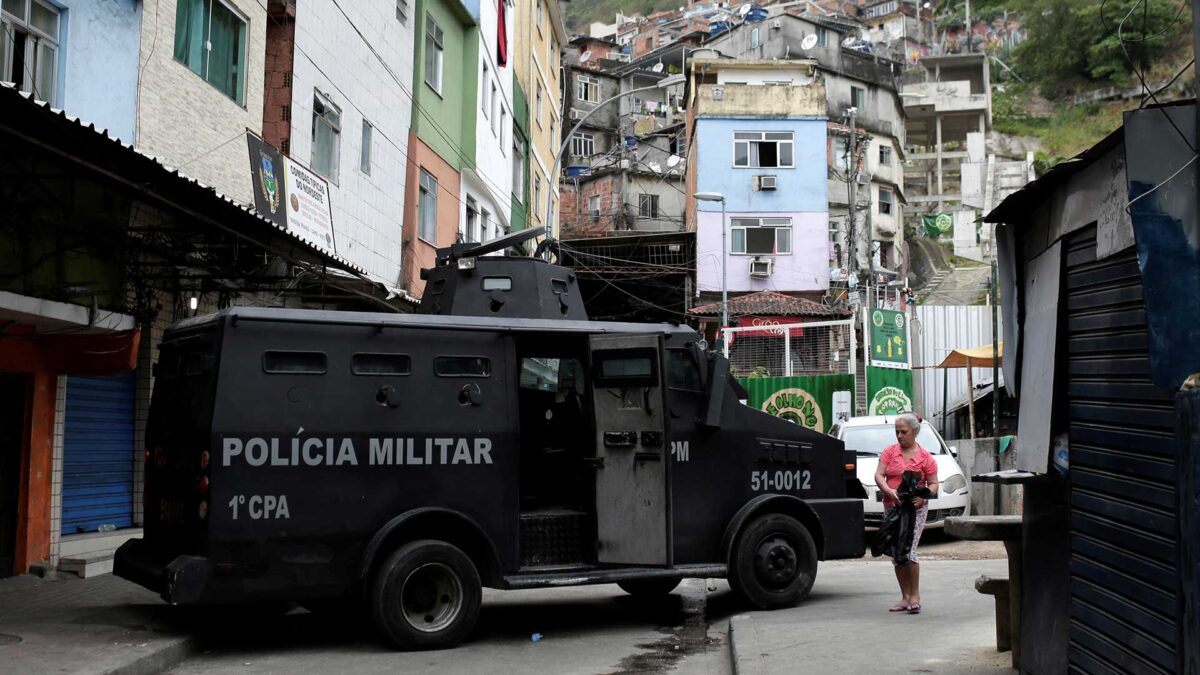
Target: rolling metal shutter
98,453
1124,582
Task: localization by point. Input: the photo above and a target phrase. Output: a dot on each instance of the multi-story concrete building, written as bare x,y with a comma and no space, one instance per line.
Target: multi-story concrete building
486,188
865,114
756,135
200,87
345,112
446,73
539,38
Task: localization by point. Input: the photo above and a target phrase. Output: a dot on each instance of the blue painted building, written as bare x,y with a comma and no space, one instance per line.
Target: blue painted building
759,139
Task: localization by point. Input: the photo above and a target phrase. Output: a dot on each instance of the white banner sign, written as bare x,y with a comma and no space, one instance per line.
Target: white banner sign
309,214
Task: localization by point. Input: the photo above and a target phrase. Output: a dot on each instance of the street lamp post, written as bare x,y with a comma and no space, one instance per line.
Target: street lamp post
562,149
718,197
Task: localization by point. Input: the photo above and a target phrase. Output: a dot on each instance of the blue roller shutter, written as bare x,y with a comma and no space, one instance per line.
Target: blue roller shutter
98,453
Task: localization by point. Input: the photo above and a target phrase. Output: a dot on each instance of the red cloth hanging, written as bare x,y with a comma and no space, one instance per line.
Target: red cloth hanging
501,34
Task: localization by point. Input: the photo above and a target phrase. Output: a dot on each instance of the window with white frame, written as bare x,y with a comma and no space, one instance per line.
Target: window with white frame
755,38
858,97
822,37
885,154
885,200
583,144
537,196
29,33
326,137
364,161
495,107
503,126
763,149
760,236
427,208
841,152
587,89
647,206
402,11
485,225
486,85
434,39
210,39
594,207
470,232
518,168
541,11
537,103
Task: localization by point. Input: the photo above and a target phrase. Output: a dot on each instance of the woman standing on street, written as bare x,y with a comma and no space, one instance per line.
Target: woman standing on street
907,455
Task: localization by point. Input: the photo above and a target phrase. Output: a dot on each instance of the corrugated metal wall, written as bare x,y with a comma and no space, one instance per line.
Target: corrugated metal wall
938,329
1124,583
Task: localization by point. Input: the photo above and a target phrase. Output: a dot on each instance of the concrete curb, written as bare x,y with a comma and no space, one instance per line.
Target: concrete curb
745,650
171,653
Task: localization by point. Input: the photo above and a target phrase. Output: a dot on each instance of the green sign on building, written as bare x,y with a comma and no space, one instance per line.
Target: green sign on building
810,401
889,391
888,338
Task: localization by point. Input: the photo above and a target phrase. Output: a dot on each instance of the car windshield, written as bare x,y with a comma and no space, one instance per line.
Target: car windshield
871,440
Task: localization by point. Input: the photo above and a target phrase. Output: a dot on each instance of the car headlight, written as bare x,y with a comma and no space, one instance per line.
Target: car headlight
954,483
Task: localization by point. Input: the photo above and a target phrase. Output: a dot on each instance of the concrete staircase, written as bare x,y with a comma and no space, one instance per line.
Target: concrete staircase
89,555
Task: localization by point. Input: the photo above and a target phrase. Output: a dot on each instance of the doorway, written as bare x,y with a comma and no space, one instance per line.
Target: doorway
13,412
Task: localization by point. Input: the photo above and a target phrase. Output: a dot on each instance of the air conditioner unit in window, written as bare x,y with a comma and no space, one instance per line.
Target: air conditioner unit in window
577,114
761,267
626,58
777,24
863,178
764,183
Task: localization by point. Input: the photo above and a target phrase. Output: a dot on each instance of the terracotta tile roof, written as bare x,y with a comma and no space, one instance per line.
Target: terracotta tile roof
770,303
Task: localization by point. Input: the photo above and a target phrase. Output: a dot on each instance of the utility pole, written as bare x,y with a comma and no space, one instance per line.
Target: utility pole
967,16
852,196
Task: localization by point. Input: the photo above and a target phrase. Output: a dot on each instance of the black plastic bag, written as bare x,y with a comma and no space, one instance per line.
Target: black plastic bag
896,533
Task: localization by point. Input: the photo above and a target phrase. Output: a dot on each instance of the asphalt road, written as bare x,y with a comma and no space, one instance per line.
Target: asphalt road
600,629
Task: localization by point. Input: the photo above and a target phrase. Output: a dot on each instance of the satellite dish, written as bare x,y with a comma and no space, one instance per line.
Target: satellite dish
583,58
673,161
658,67
849,42
808,42
655,167
744,10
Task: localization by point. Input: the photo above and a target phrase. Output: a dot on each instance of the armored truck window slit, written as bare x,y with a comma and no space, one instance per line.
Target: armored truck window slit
381,364
462,366
294,363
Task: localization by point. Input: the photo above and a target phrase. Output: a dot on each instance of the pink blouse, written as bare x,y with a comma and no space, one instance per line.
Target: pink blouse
894,466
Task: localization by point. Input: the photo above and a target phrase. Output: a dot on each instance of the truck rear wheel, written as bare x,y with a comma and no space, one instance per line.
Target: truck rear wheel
426,595
648,588
774,562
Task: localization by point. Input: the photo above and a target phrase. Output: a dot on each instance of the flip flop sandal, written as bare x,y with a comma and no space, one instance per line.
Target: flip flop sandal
914,609
898,607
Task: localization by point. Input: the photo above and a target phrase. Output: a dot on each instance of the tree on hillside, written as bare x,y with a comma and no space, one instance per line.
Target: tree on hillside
1079,43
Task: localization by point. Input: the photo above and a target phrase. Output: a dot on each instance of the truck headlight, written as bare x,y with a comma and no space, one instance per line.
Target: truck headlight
954,483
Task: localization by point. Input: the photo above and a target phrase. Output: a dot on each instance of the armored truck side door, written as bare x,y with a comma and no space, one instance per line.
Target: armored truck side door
632,514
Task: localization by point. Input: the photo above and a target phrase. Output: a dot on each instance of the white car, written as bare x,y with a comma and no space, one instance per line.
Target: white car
868,436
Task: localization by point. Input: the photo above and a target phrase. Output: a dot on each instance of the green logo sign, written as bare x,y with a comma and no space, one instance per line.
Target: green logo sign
889,340
890,401
796,406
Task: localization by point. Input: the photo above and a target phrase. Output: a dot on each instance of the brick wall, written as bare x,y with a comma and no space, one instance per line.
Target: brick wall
577,222
281,52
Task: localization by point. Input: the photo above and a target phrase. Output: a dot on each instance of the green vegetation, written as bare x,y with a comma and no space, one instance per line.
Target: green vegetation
1073,45
578,14
1065,131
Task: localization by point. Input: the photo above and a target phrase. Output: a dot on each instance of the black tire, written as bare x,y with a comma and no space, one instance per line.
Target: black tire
774,562
648,588
426,595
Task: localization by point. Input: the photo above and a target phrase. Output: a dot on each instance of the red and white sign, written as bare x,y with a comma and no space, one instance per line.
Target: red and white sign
770,326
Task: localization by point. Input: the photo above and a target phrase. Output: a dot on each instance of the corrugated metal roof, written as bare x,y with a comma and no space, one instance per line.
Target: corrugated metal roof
10,95
770,303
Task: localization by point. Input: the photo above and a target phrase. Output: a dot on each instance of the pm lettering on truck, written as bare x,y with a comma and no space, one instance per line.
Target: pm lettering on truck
258,451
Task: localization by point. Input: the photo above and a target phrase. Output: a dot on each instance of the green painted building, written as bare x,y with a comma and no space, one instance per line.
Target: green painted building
521,156
446,98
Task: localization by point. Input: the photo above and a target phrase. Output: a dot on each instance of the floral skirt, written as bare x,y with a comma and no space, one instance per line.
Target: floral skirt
918,528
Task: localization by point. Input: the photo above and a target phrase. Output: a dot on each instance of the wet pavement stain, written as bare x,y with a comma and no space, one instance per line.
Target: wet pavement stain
678,641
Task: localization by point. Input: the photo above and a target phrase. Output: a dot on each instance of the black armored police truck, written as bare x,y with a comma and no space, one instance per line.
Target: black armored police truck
398,463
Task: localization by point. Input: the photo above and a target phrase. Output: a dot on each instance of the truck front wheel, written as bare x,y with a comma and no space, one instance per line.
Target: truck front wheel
774,562
426,595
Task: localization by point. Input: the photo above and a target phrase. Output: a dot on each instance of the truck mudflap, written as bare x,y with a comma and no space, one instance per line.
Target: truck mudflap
183,580
846,540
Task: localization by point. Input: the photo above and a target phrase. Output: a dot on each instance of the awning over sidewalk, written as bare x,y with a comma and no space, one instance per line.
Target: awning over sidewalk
975,357
69,185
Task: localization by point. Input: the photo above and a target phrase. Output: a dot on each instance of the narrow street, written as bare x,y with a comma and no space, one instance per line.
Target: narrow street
600,629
